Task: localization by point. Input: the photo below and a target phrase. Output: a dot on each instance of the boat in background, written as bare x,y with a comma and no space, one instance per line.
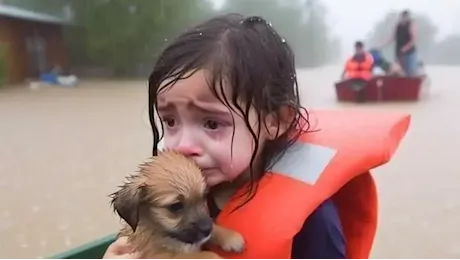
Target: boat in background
384,88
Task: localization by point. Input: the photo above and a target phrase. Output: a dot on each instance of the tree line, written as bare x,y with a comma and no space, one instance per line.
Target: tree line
126,35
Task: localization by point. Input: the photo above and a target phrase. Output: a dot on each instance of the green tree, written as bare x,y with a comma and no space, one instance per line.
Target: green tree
123,34
301,23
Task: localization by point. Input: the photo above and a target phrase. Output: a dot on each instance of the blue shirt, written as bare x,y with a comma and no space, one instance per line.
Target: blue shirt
321,236
376,55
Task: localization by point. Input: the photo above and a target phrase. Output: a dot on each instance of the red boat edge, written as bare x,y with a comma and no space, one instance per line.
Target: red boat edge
384,88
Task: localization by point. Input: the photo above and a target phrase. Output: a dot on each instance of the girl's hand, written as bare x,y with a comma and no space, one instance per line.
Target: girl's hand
120,249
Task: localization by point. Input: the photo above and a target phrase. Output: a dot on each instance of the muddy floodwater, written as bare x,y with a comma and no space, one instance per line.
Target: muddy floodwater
62,151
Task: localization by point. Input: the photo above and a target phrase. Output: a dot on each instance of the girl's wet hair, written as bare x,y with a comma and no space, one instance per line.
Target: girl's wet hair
250,57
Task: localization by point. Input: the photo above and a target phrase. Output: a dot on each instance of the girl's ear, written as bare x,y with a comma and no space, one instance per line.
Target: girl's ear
278,122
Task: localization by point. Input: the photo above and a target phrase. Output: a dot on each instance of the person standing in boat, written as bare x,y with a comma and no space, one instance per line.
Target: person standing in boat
404,36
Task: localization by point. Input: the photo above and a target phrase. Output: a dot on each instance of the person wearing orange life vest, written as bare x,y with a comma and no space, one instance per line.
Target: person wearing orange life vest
333,162
360,65
250,135
358,70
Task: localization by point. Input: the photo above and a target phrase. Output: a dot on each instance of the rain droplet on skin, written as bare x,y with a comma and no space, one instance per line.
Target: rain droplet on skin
166,40
283,40
201,34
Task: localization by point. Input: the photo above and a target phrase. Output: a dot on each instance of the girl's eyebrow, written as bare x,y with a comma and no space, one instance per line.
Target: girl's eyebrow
210,110
203,108
165,108
207,108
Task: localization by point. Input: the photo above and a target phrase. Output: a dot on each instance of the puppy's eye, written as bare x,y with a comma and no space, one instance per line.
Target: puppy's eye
176,207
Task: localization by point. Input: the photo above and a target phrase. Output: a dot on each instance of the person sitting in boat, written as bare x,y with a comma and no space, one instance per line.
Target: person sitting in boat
360,65
389,68
358,69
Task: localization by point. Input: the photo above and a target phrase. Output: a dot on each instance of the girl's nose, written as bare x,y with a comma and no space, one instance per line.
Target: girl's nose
189,151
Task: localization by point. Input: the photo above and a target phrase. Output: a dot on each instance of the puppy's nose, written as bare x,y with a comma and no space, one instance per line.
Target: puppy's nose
205,226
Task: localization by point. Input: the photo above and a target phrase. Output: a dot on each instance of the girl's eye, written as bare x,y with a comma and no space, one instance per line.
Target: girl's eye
170,122
212,124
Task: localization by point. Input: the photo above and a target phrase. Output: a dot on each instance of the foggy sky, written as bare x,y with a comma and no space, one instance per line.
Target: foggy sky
351,20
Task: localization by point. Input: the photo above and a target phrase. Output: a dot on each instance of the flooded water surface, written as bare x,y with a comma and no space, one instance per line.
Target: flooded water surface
62,151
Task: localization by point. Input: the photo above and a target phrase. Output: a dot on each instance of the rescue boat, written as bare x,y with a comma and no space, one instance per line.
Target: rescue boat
384,88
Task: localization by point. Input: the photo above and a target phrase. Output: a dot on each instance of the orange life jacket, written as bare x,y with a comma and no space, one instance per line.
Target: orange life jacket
360,69
333,162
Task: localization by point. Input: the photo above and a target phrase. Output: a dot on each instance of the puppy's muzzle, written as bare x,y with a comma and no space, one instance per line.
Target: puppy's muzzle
198,232
204,227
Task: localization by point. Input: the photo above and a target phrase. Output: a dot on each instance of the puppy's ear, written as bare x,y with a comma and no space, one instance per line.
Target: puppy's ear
127,202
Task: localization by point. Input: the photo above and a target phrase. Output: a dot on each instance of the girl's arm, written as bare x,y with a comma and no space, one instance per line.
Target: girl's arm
120,249
321,237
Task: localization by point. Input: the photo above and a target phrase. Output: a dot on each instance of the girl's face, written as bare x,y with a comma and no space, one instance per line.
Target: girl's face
199,125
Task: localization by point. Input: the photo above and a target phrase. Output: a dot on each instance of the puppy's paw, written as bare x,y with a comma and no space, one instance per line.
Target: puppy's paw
227,239
232,242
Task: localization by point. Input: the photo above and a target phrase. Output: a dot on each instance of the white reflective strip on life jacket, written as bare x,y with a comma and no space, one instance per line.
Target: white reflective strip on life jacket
304,162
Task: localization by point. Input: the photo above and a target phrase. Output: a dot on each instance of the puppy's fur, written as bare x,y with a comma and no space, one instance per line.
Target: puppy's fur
164,207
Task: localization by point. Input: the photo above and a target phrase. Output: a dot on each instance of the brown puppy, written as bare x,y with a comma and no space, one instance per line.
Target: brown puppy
164,206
